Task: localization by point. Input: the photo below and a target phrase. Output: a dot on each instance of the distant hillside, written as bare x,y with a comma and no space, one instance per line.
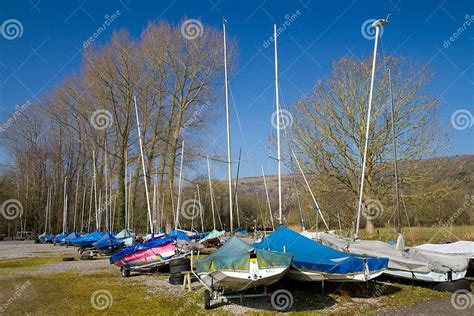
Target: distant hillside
432,190
441,170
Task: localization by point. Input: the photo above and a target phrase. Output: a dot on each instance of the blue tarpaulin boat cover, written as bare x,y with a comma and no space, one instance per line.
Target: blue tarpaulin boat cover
240,231
60,238
72,236
46,237
87,240
108,241
312,256
199,236
179,235
143,246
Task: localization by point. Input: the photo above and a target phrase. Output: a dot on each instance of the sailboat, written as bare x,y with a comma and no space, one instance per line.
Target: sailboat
238,265
108,244
312,261
316,262
415,264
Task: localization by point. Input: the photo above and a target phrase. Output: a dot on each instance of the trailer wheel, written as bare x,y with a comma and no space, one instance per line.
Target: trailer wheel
282,300
180,268
207,299
85,257
125,271
179,262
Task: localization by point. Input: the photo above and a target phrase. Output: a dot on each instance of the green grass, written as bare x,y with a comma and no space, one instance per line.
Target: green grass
68,292
71,292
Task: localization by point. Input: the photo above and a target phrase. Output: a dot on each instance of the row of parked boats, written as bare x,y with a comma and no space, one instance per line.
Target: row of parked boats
241,261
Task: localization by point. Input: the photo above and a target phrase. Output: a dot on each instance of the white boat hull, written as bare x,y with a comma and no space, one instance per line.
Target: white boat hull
241,281
318,277
426,276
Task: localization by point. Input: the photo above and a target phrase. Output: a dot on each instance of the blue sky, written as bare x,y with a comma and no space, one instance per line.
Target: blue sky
49,50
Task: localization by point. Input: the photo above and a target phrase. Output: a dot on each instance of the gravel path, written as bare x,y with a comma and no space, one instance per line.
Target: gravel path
27,249
434,307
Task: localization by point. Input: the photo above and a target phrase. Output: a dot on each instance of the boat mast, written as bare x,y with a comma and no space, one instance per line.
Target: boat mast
201,211
377,24
97,226
126,189
278,123
229,166
179,188
65,206
268,199
90,207
83,208
395,163
75,202
143,167
210,192
106,180
46,215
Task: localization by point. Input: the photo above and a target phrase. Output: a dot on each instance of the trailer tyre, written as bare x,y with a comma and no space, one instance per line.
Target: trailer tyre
207,299
180,268
176,279
85,257
179,262
125,271
282,300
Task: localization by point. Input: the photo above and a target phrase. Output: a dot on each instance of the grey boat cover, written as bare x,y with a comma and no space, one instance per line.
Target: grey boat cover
412,259
462,247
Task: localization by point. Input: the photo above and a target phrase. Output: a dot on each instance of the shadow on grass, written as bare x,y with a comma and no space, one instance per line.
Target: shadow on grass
312,296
